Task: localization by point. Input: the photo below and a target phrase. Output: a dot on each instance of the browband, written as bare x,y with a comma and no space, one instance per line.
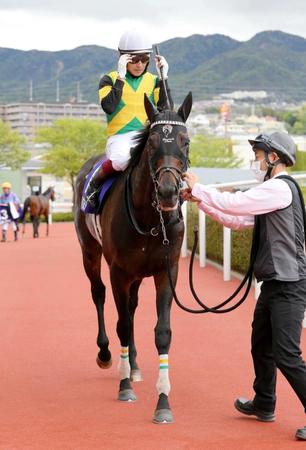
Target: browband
168,122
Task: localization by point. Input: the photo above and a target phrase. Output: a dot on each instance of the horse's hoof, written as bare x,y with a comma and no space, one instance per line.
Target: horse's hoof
163,416
127,395
104,364
136,375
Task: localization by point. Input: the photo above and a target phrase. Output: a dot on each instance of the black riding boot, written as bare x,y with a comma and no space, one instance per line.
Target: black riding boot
3,236
93,187
16,235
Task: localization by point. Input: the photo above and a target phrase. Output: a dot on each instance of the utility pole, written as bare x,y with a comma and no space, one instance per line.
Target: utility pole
57,91
31,91
79,95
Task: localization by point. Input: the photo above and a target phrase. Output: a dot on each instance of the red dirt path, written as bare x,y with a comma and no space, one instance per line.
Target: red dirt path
54,396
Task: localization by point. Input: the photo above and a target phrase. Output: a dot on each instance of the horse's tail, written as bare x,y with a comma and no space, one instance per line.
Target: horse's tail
26,206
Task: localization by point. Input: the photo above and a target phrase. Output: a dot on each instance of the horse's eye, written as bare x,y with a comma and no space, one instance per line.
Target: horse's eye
154,140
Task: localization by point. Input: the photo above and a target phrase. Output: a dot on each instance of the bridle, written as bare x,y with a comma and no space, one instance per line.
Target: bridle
156,176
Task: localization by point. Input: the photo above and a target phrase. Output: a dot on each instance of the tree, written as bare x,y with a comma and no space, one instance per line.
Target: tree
72,143
208,151
300,164
12,153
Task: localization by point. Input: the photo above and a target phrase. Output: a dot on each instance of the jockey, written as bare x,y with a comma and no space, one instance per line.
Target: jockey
9,200
121,94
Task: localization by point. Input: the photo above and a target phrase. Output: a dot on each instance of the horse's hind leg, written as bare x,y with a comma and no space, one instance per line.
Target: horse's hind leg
35,220
92,266
47,223
133,303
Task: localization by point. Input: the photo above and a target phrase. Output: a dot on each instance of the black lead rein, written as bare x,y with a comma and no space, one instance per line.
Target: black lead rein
205,308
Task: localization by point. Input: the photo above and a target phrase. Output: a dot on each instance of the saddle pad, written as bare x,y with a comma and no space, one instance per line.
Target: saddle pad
105,186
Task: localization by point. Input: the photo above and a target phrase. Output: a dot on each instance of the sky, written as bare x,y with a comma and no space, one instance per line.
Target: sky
66,24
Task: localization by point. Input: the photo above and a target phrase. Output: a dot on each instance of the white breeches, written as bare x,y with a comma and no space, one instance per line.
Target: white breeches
118,149
5,226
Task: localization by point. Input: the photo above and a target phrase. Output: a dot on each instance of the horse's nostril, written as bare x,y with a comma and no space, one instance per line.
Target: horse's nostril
167,192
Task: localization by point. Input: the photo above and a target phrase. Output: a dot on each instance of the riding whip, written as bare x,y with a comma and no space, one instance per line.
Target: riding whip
156,49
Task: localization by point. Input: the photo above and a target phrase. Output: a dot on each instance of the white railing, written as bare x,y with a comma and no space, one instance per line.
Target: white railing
227,245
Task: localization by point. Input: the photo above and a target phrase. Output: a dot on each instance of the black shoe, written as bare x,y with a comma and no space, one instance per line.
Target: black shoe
246,407
301,434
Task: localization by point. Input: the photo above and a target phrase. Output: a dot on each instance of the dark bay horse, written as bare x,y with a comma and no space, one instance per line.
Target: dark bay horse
37,205
140,221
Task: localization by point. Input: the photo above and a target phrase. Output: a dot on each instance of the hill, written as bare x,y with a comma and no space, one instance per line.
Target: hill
271,60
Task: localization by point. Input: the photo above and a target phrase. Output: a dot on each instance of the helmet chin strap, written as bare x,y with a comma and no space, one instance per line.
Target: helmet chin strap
270,166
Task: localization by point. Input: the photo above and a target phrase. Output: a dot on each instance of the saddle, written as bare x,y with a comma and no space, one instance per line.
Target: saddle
103,190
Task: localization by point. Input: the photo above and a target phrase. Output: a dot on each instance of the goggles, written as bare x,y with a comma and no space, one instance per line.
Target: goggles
143,58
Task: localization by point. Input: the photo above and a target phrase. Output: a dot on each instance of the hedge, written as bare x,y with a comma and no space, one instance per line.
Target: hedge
241,241
62,217
56,217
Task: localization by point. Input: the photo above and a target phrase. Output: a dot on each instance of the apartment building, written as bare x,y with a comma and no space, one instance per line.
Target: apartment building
26,118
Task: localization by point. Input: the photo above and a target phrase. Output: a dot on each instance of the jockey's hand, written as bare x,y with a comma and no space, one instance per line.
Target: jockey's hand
160,62
122,63
190,178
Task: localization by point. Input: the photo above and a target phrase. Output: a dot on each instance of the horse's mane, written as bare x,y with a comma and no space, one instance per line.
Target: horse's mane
140,142
50,188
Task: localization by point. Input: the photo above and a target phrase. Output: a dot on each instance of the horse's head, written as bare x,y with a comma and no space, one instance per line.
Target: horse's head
52,194
168,149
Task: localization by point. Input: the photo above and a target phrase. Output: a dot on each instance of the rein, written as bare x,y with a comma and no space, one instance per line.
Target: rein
156,204
155,177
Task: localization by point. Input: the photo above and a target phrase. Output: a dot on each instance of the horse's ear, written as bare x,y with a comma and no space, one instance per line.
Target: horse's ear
185,108
150,108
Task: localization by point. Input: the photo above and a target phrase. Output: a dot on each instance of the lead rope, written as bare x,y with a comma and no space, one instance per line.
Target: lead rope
215,309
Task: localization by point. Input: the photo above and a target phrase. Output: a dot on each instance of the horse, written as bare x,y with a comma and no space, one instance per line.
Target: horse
141,221
37,205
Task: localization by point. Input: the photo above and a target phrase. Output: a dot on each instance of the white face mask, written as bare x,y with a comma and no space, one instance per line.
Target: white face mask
258,173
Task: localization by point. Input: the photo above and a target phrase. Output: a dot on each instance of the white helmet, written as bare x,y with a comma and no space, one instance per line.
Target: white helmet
133,42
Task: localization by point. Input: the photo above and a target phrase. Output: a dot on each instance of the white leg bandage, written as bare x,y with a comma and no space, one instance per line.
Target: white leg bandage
163,383
124,364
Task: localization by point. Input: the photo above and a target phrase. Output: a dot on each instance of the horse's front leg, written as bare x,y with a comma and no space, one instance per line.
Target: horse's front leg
136,374
121,284
47,223
163,413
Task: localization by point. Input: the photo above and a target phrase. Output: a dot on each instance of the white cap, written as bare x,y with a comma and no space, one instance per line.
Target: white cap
134,42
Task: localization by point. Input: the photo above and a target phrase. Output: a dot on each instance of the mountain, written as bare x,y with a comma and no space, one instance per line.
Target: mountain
271,60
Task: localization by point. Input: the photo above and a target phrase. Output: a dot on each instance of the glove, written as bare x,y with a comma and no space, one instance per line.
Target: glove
160,61
122,63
